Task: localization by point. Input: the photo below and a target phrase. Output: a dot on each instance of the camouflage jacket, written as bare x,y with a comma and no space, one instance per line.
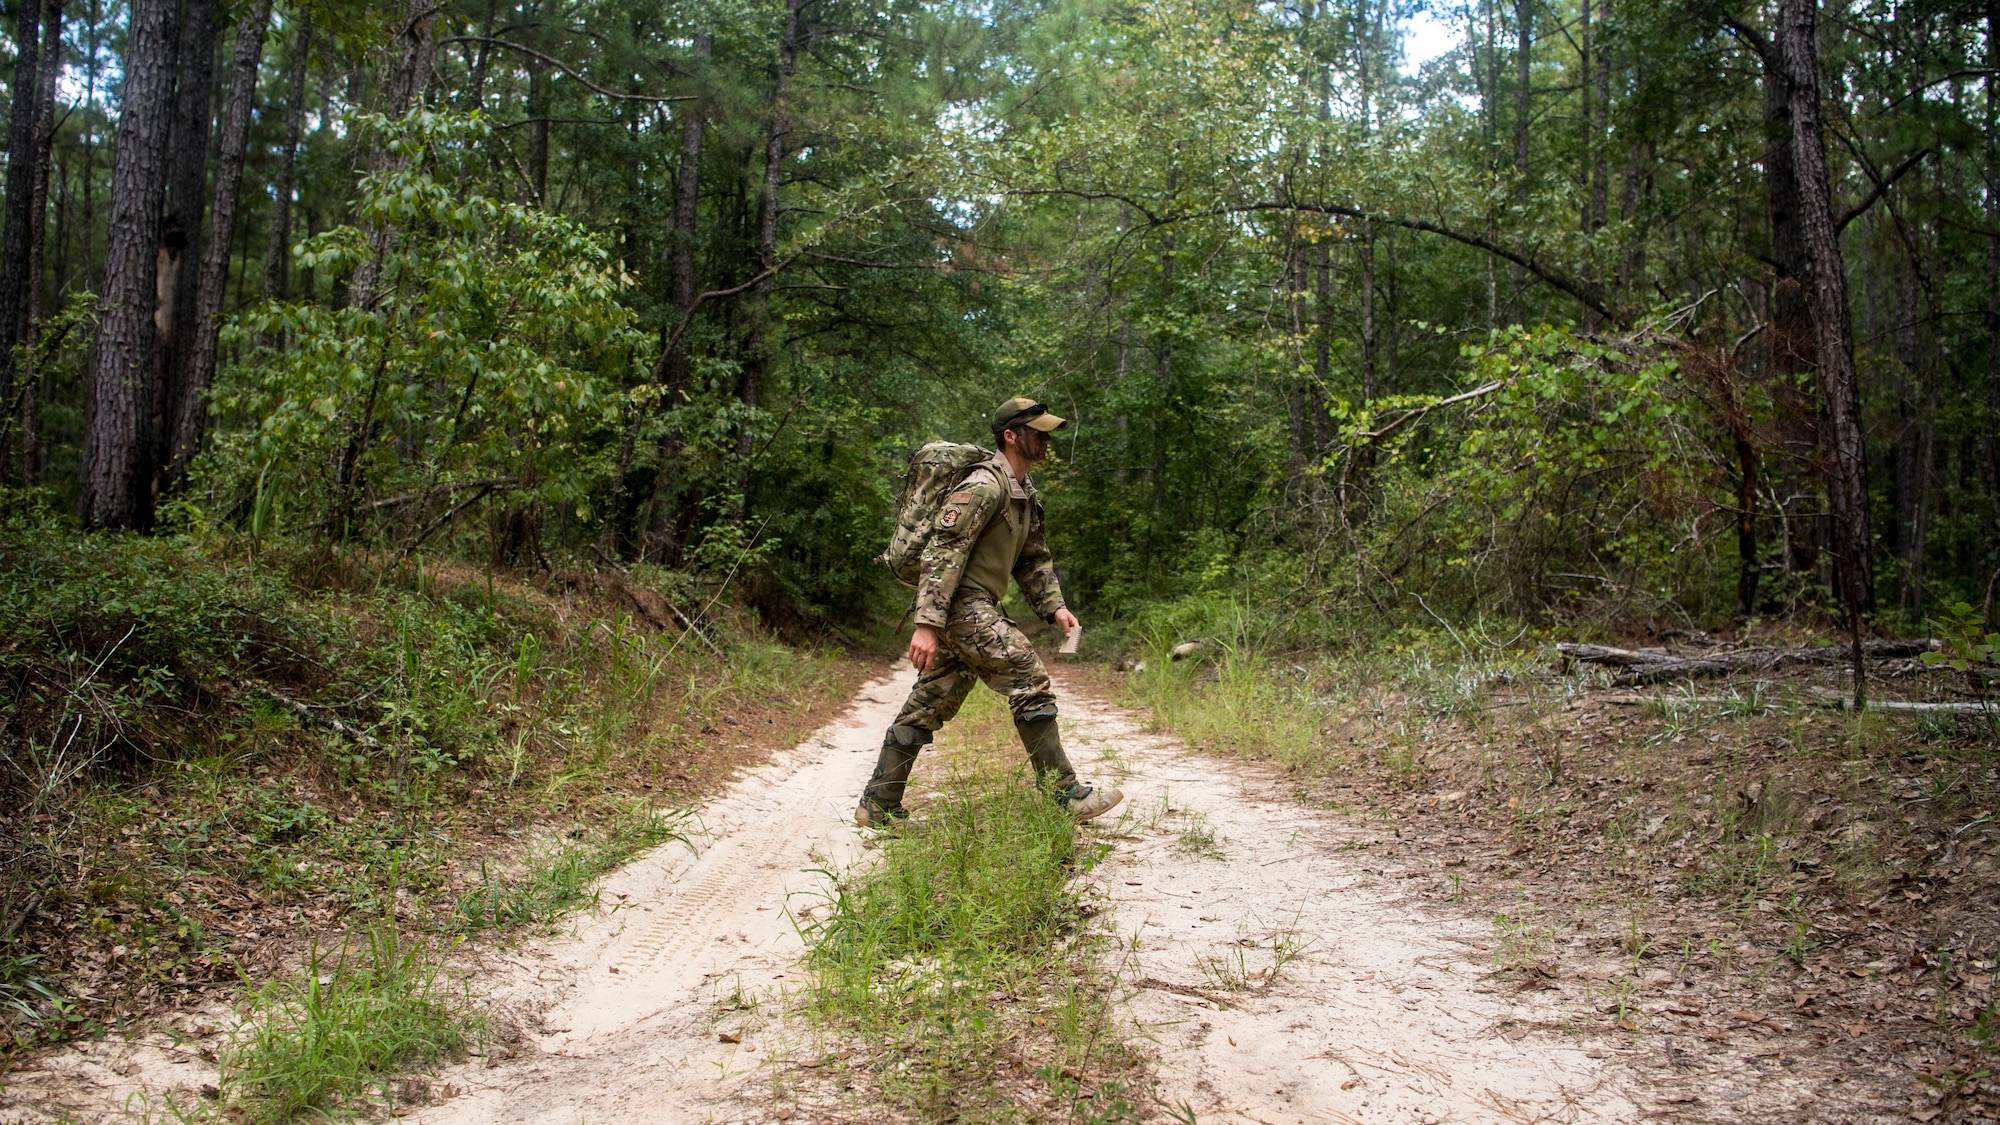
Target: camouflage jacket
990,527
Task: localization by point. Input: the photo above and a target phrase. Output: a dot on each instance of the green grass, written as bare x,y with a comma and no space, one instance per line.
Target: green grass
562,877
962,958
1233,703
324,1042
1199,839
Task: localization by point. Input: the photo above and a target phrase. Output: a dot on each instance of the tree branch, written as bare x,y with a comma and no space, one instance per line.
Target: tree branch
562,66
1549,275
1418,412
687,318
1881,188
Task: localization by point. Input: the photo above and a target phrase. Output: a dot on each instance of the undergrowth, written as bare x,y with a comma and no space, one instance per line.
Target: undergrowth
961,957
213,754
1741,826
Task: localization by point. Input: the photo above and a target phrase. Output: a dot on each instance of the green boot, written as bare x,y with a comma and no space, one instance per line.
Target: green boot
882,800
1045,749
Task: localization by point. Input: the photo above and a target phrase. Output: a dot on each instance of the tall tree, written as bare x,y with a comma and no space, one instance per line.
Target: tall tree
180,231
112,490
412,49
278,236
231,146
1843,447
1524,61
45,136
672,372
757,348
18,218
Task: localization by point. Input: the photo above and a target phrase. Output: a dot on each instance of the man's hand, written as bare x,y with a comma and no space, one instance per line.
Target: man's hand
1068,621
924,646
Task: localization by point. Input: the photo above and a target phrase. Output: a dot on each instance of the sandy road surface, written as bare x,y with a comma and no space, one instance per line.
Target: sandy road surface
1386,1015
625,1021
670,1006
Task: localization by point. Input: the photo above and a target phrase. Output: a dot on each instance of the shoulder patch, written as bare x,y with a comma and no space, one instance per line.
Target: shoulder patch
959,498
949,518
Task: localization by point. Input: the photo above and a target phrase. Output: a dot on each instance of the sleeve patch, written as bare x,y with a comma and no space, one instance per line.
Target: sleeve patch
959,498
949,518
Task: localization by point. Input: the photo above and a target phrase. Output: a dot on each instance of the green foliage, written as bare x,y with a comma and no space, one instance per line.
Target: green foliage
1967,644
317,1044
558,879
112,639
1567,477
311,724
494,344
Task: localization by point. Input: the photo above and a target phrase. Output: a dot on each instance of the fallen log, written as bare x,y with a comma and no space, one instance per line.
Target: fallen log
1826,699
1644,667
1613,657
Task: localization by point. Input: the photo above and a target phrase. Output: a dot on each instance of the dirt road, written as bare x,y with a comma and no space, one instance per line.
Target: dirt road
671,1004
1383,1014
1384,1011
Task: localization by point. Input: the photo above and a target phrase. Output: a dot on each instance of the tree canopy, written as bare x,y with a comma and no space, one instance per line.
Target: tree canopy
1682,309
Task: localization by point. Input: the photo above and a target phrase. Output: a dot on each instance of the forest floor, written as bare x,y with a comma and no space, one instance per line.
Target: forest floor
1366,945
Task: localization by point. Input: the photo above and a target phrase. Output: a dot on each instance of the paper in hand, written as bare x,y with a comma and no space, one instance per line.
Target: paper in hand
1070,642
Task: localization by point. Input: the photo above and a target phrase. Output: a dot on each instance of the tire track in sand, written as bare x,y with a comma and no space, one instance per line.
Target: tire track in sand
622,1019
1386,1016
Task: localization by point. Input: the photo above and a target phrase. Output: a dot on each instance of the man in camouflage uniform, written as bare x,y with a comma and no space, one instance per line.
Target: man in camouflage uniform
989,528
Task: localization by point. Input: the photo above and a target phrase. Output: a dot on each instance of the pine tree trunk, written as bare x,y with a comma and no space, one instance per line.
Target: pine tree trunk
1586,118
1990,446
1323,300
413,72
278,237
17,220
538,132
1163,377
112,476
92,267
1367,313
231,144
1600,128
1792,343
1595,89
45,137
658,543
180,234
1826,290
757,349
1524,46
1322,437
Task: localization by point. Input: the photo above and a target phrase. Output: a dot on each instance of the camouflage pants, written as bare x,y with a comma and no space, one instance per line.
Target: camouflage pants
979,643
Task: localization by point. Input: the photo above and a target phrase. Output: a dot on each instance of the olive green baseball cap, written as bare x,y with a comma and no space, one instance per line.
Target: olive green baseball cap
1018,411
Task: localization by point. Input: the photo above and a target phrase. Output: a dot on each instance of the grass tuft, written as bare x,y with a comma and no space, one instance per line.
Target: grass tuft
962,957
563,877
326,1040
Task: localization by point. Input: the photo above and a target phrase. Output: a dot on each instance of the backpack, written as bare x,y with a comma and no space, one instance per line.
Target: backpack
935,470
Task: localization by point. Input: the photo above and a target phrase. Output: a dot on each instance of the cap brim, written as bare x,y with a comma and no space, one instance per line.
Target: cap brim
1047,423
